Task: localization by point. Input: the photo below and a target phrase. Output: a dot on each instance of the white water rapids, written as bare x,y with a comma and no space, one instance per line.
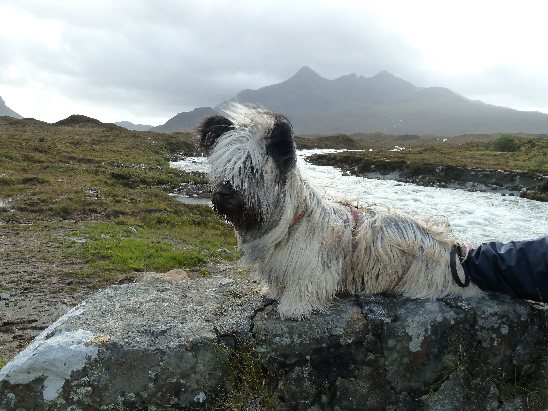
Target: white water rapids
475,216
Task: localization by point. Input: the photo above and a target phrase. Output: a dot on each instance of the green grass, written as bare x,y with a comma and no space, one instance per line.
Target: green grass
102,252
72,171
159,242
115,255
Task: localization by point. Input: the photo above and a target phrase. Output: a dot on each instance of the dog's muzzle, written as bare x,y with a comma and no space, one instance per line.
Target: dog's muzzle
230,204
225,201
225,191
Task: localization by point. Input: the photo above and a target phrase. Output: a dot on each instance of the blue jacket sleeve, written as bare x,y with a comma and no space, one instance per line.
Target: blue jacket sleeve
518,268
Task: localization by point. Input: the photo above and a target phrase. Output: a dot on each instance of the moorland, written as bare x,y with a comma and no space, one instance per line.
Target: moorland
84,205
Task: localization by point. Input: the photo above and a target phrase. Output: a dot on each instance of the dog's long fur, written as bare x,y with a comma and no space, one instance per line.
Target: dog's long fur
307,248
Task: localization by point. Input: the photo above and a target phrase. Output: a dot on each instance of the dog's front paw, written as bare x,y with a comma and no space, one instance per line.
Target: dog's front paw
297,311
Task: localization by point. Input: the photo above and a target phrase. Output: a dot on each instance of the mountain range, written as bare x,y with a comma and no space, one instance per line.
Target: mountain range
6,111
357,104
384,102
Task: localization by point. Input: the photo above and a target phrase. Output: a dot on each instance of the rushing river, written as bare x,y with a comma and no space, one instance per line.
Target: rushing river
475,216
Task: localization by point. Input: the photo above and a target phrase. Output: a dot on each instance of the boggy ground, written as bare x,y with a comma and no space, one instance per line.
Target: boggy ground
34,287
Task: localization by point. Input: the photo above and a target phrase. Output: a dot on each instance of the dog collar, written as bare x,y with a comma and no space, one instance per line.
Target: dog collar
353,210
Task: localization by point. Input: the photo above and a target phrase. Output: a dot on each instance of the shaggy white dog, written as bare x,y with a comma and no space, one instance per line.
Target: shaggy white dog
306,248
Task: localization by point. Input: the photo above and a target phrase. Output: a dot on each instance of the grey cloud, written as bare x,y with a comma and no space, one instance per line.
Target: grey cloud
200,53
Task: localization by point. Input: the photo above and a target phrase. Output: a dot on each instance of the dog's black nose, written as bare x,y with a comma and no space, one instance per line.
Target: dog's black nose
225,190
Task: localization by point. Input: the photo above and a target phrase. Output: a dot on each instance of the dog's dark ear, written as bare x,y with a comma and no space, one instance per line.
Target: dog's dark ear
211,129
280,145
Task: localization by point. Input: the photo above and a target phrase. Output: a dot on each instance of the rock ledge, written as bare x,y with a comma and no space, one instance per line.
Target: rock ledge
218,343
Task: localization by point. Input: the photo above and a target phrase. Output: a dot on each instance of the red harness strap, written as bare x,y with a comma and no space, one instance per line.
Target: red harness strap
298,217
353,210
355,216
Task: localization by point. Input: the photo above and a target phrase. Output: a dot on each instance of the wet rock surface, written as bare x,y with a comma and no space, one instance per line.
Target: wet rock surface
210,343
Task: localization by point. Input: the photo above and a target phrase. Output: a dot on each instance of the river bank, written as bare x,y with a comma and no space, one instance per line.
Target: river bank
448,167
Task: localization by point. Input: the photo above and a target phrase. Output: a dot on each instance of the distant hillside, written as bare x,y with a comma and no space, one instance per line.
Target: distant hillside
135,127
357,104
5,111
184,121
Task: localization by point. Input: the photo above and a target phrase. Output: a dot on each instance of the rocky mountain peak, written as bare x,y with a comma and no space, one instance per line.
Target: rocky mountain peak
305,73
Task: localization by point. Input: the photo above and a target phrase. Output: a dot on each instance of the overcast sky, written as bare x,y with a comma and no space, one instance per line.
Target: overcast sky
147,60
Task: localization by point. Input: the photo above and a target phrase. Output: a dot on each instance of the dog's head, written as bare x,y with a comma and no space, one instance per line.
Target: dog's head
251,152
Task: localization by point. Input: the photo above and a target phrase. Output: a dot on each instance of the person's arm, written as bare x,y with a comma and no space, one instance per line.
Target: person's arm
518,268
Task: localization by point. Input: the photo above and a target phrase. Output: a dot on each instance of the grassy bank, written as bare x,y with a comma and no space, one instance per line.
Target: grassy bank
383,141
93,199
531,156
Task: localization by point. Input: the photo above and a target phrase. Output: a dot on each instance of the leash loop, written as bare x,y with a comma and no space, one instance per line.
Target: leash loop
453,266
